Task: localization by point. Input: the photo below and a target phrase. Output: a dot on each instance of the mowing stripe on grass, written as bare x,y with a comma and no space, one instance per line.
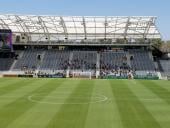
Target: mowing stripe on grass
74,115
15,85
159,108
40,115
133,113
6,117
9,82
14,95
5,81
158,90
163,83
104,114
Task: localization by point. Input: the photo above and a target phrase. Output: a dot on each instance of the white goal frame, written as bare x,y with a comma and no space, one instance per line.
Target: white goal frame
80,74
168,77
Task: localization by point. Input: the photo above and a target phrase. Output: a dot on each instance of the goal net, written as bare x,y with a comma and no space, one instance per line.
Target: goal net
79,74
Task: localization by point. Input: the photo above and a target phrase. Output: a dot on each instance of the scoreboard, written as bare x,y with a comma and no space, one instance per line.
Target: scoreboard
5,39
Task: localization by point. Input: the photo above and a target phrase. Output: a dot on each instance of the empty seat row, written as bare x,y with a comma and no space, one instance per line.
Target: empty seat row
28,59
5,63
165,65
142,61
55,60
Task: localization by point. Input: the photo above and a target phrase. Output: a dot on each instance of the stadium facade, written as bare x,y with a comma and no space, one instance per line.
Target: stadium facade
80,46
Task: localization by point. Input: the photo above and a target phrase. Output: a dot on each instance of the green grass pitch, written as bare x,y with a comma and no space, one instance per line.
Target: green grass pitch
70,103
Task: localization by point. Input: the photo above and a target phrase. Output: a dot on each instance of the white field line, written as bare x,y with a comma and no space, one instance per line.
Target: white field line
98,98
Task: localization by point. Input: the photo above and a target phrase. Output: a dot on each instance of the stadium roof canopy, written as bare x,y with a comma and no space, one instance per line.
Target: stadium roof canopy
81,27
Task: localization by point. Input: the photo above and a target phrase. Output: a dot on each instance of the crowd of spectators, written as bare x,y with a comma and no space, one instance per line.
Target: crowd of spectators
81,64
115,71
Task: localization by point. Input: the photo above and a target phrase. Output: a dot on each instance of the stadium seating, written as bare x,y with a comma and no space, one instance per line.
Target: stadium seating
165,66
110,63
5,63
28,59
114,64
141,61
55,60
112,60
84,60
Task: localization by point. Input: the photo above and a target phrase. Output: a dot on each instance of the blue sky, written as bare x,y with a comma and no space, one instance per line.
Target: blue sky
159,8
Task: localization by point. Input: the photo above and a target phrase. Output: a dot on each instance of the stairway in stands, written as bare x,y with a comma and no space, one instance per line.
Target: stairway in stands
39,63
128,56
70,60
98,65
20,54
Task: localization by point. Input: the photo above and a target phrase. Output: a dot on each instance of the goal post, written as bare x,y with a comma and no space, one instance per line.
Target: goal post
80,74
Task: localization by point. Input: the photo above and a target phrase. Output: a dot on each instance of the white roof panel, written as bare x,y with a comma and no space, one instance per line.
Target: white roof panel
81,27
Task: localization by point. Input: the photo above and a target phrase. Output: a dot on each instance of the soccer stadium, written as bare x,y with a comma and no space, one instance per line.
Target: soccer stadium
83,72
